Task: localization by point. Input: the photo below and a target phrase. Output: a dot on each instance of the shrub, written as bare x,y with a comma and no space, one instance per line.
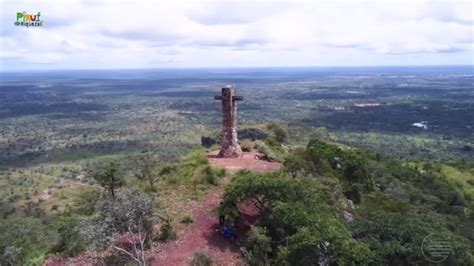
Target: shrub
84,203
201,258
71,240
259,243
25,241
206,175
280,133
252,134
193,169
246,146
130,210
187,219
209,175
167,232
265,149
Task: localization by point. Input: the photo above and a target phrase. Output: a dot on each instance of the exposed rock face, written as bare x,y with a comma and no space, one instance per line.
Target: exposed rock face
230,144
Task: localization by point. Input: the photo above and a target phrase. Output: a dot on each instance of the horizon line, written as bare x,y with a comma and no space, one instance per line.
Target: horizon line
223,67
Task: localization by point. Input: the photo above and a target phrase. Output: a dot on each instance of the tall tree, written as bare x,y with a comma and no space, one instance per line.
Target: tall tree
110,179
147,167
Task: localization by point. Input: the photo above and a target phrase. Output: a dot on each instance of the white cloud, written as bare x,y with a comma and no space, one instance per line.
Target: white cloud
132,34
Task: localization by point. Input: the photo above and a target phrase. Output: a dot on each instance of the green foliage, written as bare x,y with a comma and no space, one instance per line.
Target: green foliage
146,170
85,201
351,166
109,178
167,232
271,152
35,257
187,219
281,134
25,241
397,239
259,243
71,240
252,133
295,212
246,146
193,169
397,207
131,210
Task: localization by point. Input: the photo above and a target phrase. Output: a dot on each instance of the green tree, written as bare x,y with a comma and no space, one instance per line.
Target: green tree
147,167
298,218
110,179
131,213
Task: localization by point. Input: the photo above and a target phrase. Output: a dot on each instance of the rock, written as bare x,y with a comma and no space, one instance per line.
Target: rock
347,216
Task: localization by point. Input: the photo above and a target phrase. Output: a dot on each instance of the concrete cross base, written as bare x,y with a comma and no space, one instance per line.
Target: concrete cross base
230,152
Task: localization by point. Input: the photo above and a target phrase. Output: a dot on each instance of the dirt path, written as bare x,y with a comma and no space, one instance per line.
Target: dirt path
200,235
203,233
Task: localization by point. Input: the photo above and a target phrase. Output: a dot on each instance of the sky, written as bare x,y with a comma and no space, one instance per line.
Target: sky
88,34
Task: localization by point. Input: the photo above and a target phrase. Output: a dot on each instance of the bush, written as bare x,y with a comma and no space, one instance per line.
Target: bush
209,176
193,169
25,241
270,153
131,212
167,232
280,133
201,258
187,219
252,134
131,209
246,146
71,240
259,243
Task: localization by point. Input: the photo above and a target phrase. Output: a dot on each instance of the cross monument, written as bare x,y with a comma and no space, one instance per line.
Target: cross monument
230,144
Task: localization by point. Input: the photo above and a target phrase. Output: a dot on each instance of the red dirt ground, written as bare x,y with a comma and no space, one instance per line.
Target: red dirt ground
247,161
202,234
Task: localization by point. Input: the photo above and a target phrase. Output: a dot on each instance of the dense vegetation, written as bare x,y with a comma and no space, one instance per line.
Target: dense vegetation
122,220
342,205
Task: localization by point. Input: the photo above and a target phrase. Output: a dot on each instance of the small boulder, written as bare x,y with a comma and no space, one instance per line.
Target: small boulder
347,216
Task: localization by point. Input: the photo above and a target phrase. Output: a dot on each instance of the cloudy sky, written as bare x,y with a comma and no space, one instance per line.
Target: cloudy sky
87,34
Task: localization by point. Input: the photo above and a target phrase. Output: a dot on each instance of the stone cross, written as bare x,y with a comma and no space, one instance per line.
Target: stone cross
230,144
